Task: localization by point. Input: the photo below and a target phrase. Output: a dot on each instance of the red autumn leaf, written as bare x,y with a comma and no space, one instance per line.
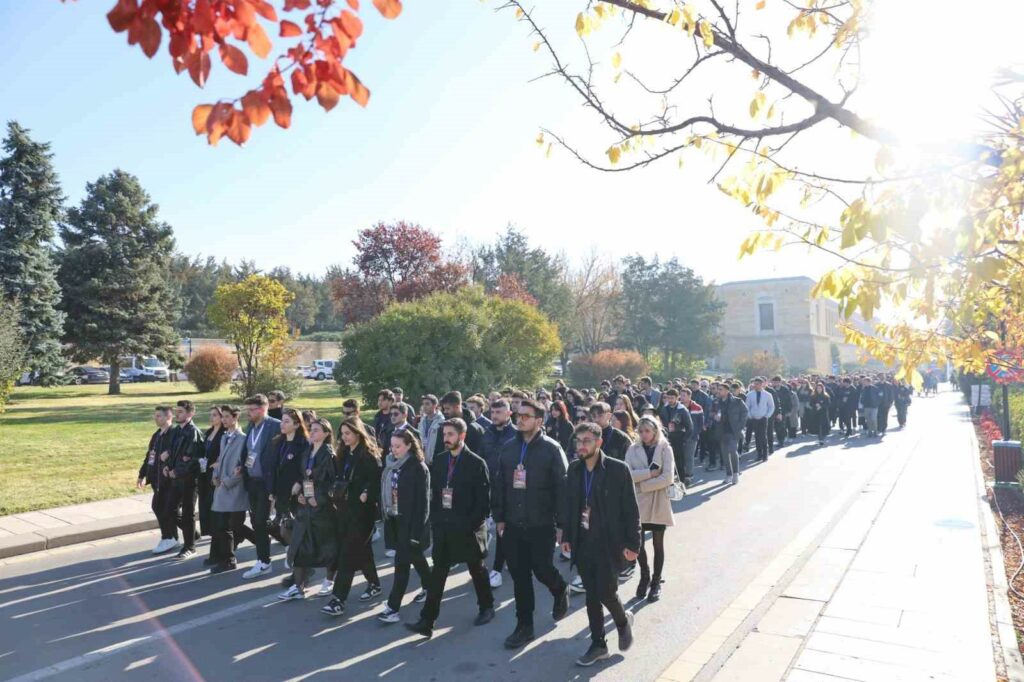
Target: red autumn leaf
255,106
281,107
199,68
258,41
202,18
149,36
326,95
217,122
352,25
356,89
302,85
354,4
290,29
239,127
389,8
200,115
121,16
234,59
295,4
244,12
266,10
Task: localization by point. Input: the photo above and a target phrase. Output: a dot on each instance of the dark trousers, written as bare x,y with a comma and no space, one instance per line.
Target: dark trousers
901,414
204,491
824,425
883,416
714,449
187,502
344,575
499,554
529,553
848,422
229,530
760,427
704,446
167,507
781,429
259,516
439,576
602,593
404,557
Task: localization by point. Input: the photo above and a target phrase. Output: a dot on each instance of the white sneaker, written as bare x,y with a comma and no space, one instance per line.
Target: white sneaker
292,593
576,585
376,534
165,545
388,616
735,479
326,588
258,569
495,579
390,553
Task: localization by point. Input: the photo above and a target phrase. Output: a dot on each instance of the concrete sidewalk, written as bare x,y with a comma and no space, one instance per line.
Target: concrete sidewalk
893,587
38,530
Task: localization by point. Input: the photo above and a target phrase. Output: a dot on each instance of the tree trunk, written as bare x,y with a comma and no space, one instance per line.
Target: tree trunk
114,387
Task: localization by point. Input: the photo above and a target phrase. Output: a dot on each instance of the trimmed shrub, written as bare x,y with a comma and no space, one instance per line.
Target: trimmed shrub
210,368
590,370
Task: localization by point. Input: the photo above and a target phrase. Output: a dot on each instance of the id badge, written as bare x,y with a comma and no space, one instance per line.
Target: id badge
585,518
202,464
394,501
249,461
446,498
519,478
152,458
307,488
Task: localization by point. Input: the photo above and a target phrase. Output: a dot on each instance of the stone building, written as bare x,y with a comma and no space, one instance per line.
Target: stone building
780,316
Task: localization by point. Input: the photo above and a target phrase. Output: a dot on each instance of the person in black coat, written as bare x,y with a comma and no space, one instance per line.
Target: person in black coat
818,407
847,398
496,435
356,498
451,408
559,427
616,442
904,394
151,473
183,468
288,447
406,508
602,532
460,502
886,396
204,481
527,503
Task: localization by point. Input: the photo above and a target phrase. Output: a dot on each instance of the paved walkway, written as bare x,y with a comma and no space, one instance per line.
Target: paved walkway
895,590
49,528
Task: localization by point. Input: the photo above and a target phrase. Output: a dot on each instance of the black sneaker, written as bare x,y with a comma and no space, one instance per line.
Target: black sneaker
371,592
626,633
641,589
335,607
185,554
655,593
561,605
596,652
221,568
627,572
485,616
522,635
421,627
420,597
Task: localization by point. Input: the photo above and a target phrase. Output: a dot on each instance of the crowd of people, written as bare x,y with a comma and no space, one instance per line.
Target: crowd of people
582,474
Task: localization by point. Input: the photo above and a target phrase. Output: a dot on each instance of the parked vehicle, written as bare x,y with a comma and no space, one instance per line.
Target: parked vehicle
323,369
89,375
148,368
123,376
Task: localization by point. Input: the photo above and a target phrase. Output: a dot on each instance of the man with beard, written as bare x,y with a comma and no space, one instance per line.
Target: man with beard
183,466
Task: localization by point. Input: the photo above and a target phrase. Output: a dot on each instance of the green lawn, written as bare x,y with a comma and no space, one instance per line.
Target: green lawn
77,444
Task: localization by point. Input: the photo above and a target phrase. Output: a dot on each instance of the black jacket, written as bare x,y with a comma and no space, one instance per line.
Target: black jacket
358,472
615,442
289,464
474,435
413,507
783,399
614,516
158,443
846,398
870,396
820,404
561,431
186,450
460,529
493,440
541,503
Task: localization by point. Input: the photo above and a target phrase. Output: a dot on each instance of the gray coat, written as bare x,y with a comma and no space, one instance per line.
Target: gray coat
229,494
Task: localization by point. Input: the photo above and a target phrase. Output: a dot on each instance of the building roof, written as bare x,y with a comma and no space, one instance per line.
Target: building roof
772,280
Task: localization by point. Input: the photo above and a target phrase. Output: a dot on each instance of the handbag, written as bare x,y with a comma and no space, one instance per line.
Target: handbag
676,491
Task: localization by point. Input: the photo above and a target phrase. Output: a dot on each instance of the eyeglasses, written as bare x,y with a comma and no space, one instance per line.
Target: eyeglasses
527,415
584,441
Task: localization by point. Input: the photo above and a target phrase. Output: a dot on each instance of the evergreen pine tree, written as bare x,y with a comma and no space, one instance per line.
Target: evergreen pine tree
30,205
112,271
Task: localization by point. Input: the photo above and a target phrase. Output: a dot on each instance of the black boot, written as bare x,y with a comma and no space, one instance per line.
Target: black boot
561,605
655,592
422,627
522,635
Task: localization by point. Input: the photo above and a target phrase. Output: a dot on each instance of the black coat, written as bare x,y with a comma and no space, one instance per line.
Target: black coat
561,431
158,443
616,442
360,472
846,400
413,508
820,404
494,439
317,522
288,456
615,515
460,532
474,435
186,450
542,503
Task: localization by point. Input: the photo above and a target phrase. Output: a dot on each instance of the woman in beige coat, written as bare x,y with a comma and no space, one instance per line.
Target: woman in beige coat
652,464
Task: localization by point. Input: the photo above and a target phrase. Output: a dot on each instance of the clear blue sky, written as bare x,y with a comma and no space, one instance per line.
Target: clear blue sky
447,141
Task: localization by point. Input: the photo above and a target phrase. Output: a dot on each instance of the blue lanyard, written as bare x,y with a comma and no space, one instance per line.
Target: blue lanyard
588,483
522,452
311,463
348,465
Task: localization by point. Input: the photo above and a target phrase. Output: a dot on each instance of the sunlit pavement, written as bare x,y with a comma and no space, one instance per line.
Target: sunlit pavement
112,611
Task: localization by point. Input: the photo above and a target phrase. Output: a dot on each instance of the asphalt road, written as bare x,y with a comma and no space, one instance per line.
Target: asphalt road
115,612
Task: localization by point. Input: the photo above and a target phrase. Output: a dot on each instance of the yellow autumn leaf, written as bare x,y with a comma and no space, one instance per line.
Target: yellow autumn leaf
536,46
519,12
613,154
706,34
616,60
581,24
760,5
540,139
